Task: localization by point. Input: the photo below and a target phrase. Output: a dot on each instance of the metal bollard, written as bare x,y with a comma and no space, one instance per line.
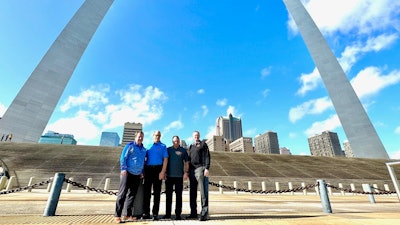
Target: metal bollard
107,184
367,188
3,182
249,184
221,190
10,183
69,186
30,183
303,185
326,204
290,185
263,187
277,187
235,186
88,183
341,191
54,196
353,188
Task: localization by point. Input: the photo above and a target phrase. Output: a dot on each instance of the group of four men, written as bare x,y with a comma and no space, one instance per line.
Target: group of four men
173,164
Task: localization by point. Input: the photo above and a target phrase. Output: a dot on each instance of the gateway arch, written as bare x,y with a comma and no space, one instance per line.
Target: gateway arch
27,116
362,136
30,111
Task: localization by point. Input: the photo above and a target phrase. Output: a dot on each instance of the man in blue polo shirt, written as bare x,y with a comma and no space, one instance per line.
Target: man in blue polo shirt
132,162
154,172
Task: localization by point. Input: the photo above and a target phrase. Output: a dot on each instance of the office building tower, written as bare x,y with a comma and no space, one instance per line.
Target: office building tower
216,143
229,127
325,144
30,111
109,139
267,143
284,151
242,144
130,130
359,130
52,137
347,149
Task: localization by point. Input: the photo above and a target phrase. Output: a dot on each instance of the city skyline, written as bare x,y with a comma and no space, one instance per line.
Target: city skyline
193,62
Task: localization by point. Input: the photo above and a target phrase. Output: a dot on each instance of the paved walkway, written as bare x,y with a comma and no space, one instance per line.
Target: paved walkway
79,207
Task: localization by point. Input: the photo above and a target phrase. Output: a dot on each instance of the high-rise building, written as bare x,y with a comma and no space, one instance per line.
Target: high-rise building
52,137
229,127
242,144
325,144
285,151
109,139
359,130
267,143
30,111
130,130
216,143
347,149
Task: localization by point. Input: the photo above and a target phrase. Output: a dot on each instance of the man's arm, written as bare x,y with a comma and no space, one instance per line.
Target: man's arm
163,170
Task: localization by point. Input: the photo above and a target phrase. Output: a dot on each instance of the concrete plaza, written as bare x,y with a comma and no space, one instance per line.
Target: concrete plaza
80,207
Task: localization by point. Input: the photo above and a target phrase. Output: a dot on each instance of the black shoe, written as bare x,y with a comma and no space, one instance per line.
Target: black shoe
192,216
167,217
202,218
178,217
146,216
155,217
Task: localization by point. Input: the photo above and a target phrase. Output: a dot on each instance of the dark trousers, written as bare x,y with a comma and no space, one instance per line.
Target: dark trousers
128,187
197,179
151,180
169,188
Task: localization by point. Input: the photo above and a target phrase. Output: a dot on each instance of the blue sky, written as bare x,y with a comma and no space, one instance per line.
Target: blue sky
176,66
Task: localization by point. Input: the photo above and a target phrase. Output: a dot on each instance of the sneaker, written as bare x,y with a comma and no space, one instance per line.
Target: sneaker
117,220
129,219
145,216
202,218
192,216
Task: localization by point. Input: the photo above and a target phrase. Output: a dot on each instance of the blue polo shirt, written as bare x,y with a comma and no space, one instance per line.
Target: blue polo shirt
132,158
156,154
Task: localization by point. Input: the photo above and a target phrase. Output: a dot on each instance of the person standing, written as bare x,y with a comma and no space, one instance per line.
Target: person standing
199,157
132,161
177,171
154,170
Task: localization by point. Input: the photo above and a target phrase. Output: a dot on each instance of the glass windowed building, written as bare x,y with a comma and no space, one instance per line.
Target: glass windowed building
109,139
52,137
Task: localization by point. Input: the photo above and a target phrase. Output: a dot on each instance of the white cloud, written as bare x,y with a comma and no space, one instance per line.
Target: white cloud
265,92
231,110
351,53
3,109
210,132
318,127
81,126
205,110
174,125
395,155
314,106
265,72
90,98
136,104
250,132
361,16
309,82
397,130
200,91
222,102
370,81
